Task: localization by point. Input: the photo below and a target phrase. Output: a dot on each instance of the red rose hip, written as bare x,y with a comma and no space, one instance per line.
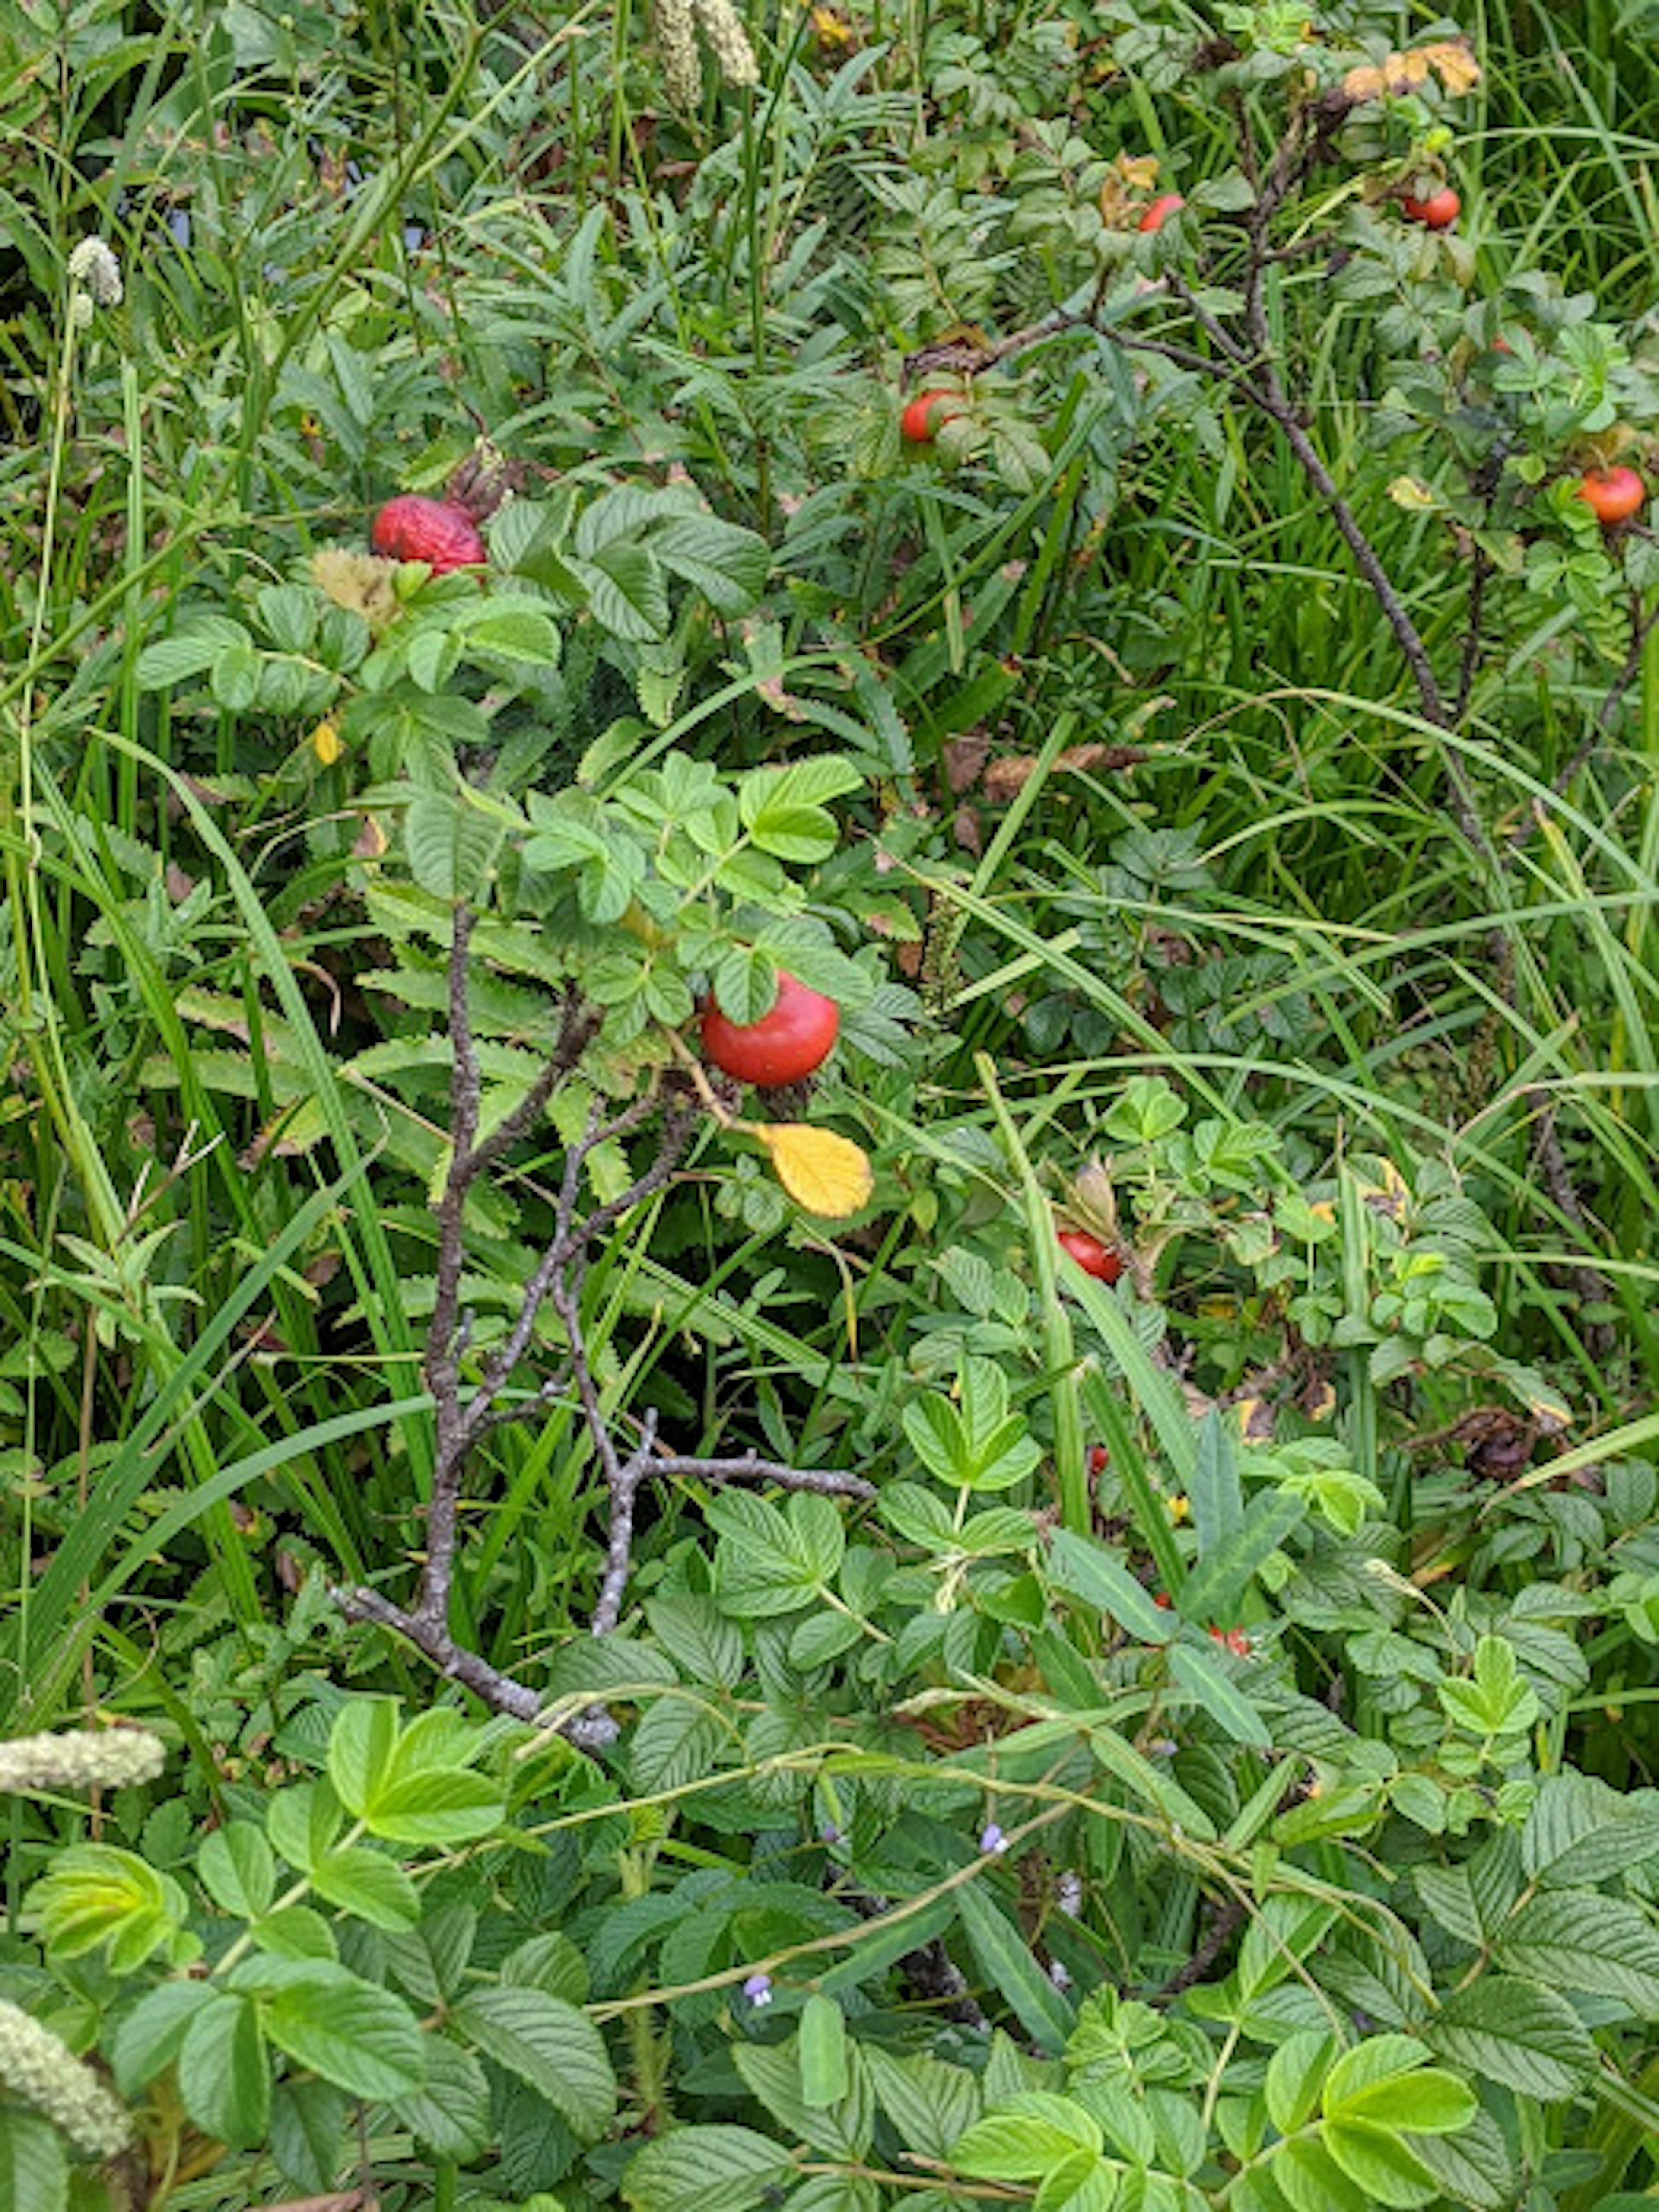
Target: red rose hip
783,1046
1092,1255
1438,212
435,531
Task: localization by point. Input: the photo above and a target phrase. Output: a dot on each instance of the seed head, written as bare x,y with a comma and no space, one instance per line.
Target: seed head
676,43
93,265
111,1758
39,2067
728,41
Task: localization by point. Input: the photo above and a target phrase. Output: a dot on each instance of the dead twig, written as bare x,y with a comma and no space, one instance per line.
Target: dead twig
464,1416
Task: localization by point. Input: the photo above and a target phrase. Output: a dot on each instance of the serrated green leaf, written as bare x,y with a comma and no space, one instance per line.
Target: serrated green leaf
706,2169
548,2044
33,2170
1514,2032
364,2040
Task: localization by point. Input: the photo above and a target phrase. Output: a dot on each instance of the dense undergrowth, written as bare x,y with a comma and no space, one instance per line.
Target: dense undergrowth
602,1647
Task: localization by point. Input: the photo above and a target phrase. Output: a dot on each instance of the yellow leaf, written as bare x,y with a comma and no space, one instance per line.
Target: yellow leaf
363,583
1458,69
824,1174
326,744
1455,66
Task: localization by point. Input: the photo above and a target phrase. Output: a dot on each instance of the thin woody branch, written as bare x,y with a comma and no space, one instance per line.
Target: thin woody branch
463,1417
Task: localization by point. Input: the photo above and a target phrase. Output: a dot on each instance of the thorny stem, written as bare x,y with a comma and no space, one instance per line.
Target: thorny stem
462,1420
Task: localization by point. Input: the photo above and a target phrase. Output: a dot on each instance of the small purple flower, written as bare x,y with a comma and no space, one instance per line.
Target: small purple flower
993,1840
829,1833
758,1990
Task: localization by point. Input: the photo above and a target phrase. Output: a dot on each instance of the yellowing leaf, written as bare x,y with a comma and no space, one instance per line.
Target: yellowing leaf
1411,493
326,744
360,582
824,1174
1459,71
1452,62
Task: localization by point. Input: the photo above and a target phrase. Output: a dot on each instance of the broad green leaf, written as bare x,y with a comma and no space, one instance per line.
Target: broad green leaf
147,2039
728,565
1005,1960
512,627
1575,1939
1220,1579
1296,2078
97,1894
706,2169
1580,1833
224,2074
550,1962
1311,2180
774,2075
237,1869
548,2044
310,2133
1212,1488
194,649
825,2070
1514,2032
364,2040
360,1743
1085,1569
627,591
1224,1701
1021,2139
369,1886
450,2111
33,2170
931,2104
1384,2167
451,844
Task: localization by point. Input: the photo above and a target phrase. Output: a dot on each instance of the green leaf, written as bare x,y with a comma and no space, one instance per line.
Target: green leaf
96,1893
1220,1579
548,2044
1296,2077
627,591
33,2171
1004,1961
1086,1569
931,2104
1212,1489
1224,1701
310,2133
728,565
369,1886
450,2111
825,2072
364,2040
1384,2167
1311,2180
224,2074
1514,2032
550,1962
706,2169
174,659
451,844
147,2040
1575,1939
237,1869
234,676
1580,1833
1022,2138
772,2073
512,627
784,809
